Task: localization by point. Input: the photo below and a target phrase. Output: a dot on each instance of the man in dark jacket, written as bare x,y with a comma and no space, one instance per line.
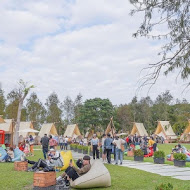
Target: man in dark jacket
108,146
45,143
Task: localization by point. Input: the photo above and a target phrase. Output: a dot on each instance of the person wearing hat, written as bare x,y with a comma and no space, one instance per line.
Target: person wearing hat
73,172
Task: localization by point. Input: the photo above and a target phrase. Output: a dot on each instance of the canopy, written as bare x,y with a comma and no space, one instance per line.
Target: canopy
72,131
29,131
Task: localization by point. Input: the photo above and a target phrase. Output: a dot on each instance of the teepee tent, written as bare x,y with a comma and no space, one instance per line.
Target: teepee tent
49,129
186,134
165,130
1,119
24,126
89,134
138,129
72,131
110,128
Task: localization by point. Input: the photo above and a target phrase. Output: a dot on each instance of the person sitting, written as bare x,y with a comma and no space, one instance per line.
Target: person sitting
10,153
73,172
54,160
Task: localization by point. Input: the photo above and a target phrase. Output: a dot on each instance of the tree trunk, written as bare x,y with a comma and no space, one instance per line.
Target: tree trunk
16,136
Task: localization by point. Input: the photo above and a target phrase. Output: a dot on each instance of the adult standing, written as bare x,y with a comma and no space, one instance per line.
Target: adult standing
95,146
118,142
61,141
103,148
108,146
45,143
31,143
66,143
52,142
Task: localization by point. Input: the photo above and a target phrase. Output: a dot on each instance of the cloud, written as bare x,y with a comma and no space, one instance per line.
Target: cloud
77,46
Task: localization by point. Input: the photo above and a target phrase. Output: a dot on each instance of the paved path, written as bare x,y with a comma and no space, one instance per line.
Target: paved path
161,169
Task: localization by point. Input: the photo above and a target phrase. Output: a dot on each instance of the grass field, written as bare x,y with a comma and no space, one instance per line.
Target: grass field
122,177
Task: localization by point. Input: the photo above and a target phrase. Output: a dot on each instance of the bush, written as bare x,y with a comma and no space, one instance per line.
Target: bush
168,186
85,148
138,152
159,154
74,146
179,156
80,147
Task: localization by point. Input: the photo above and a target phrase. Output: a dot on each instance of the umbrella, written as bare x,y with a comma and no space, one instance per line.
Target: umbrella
29,131
122,134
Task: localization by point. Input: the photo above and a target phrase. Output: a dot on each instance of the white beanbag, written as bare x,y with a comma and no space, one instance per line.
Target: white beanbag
98,176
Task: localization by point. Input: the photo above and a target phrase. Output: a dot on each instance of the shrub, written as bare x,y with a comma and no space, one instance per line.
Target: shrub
80,147
168,186
179,156
159,154
138,152
85,148
74,146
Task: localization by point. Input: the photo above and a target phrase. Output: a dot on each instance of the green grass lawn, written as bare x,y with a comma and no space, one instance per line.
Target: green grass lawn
122,177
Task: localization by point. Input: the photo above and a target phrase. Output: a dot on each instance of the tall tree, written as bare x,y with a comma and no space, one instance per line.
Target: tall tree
68,109
96,113
2,103
77,106
175,18
54,111
35,110
22,92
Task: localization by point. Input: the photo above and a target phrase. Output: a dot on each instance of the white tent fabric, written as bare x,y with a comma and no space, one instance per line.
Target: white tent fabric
6,126
29,131
161,134
71,131
141,131
46,129
166,126
24,126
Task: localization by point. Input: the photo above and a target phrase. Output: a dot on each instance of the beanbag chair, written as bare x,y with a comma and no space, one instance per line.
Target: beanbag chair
17,155
98,176
3,153
67,156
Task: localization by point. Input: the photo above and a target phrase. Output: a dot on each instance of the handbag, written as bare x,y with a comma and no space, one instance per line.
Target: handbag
122,148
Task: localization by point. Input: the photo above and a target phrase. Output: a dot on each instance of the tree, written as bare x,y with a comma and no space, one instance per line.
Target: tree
96,113
35,110
54,111
22,92
12,107
77,106
2,103
175,18
68,110
124,117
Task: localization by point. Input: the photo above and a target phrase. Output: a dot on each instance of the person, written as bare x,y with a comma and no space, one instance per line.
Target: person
9,156
54,160
61,141
118,142
22,146
103,148
108,146
45,143
95,146
152,143
52,142
27,148
66,143
73,172
31,143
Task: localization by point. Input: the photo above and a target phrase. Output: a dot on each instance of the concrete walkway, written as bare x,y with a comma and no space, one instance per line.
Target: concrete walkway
161,169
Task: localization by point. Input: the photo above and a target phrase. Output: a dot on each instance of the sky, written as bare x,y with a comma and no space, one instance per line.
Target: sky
78,46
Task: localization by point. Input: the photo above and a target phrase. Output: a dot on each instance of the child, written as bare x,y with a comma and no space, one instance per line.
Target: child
10,153
27,148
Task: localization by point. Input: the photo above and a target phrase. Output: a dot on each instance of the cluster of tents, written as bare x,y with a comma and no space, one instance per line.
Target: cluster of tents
163,129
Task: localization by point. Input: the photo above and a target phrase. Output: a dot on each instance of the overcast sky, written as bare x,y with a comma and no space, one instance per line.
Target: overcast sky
72,46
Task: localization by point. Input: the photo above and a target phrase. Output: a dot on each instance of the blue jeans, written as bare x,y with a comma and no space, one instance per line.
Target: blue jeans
119,154
45,151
